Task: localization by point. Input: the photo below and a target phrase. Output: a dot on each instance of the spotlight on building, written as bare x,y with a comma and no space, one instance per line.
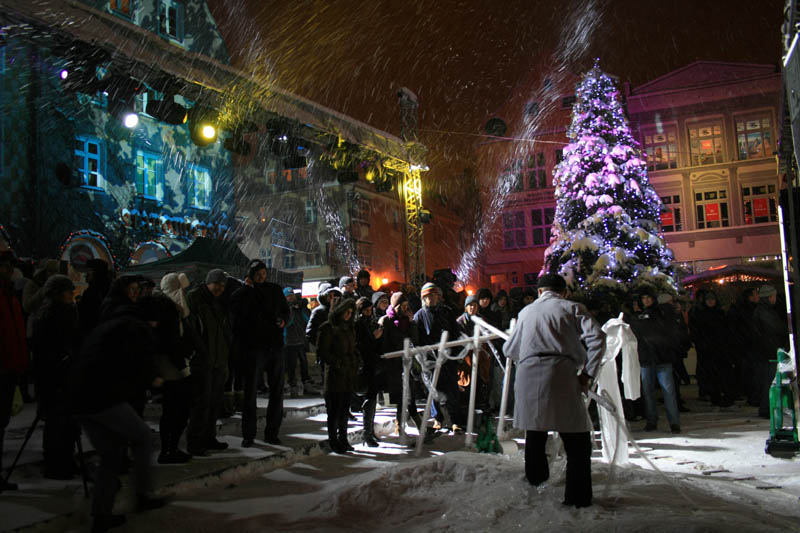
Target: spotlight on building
202,125
425,216
130,120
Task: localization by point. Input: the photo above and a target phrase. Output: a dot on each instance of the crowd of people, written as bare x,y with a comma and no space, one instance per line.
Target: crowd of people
207,349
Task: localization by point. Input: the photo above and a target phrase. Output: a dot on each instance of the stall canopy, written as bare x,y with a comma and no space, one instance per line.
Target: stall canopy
733,274
206,254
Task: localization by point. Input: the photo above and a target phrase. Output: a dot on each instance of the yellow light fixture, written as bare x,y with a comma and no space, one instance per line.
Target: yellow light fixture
209,132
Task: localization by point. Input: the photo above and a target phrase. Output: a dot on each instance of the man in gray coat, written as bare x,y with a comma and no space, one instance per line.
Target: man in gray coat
553,368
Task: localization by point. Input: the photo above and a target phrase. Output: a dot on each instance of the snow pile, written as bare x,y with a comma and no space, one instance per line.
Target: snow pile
464,491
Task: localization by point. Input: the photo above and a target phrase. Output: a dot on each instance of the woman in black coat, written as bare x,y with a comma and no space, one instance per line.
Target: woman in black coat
368,339
336,347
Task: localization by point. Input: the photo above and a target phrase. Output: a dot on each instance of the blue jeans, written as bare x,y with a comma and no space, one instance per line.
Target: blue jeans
662,374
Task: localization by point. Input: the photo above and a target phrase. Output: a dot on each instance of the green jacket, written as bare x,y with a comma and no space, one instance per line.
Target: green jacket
211,322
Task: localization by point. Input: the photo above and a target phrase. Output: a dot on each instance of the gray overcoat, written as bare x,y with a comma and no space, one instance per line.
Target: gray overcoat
546,347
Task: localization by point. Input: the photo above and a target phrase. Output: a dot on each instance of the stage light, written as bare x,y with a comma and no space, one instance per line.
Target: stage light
385,281
202,125
64,74
130,120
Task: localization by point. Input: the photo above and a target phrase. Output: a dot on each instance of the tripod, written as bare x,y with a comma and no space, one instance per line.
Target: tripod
28,434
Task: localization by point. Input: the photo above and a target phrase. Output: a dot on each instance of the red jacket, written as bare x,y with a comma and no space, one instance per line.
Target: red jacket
13,348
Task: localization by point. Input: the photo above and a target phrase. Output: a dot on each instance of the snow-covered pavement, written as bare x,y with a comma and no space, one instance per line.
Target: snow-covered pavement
719,479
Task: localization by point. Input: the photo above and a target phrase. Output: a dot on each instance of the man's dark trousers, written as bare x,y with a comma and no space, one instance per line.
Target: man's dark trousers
257,361
578,446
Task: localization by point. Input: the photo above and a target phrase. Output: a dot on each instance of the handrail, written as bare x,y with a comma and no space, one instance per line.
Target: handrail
469,344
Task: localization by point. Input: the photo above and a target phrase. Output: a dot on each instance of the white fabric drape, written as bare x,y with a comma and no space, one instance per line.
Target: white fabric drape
619,339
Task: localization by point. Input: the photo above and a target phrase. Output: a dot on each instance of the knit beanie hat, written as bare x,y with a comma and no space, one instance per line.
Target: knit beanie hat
57,284
344,280
427,289
216,275
397,299
765,291
287,291
471,299
363,274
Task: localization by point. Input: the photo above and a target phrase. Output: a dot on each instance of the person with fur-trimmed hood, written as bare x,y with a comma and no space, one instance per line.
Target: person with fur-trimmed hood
363,287
337,349
368,341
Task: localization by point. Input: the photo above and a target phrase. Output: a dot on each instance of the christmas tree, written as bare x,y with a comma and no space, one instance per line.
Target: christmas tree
605,236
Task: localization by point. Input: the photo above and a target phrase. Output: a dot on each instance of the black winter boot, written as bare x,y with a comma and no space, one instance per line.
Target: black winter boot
343,437
333,439
369,424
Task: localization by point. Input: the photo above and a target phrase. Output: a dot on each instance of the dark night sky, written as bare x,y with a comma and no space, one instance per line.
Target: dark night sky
463,58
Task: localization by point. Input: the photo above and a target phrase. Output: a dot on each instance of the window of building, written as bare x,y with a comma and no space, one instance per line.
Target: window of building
122,7
706,143
537,171
661,146
559,155
760,203
266,256
568,101
200,187
542,223
514,230
149,175
712,208
530,279
754,136
311,211
360,209
531,109
363,251
671,219
289,259
89,161
170,19
395,219
397,261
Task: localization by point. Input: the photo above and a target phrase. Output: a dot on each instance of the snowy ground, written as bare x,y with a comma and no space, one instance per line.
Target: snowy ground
718,479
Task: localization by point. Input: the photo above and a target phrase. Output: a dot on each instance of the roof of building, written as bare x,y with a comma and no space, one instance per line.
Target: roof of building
205,79
704,74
